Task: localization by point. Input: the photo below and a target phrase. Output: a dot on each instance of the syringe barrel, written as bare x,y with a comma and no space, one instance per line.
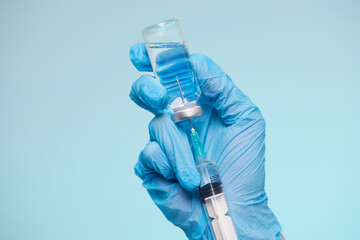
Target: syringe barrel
212,195
210,180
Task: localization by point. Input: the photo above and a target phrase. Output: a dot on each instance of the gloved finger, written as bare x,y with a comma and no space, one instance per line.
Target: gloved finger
219,91
174,143
178,204
173,200
149,94
153,159
140,58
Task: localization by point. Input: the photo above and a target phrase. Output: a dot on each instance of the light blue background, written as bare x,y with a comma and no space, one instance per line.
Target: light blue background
70,136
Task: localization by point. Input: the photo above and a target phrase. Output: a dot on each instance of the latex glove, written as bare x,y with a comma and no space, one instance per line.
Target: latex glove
232,130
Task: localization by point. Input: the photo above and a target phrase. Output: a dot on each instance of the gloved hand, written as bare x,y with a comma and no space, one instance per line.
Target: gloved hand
232,130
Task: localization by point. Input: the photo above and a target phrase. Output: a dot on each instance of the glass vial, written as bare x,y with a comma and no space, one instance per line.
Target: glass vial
171,64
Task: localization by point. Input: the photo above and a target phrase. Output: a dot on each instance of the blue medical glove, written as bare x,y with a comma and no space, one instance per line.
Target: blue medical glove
232,130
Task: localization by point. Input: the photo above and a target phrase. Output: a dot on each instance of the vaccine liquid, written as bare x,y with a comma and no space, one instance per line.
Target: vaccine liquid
172,66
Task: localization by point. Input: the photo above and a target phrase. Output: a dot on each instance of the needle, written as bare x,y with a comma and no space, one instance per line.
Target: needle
192,127
182,94
183,99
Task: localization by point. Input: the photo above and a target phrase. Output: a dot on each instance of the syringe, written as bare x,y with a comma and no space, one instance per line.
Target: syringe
211,192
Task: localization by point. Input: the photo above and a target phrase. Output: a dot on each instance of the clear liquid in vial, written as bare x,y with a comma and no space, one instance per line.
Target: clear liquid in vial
172,66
